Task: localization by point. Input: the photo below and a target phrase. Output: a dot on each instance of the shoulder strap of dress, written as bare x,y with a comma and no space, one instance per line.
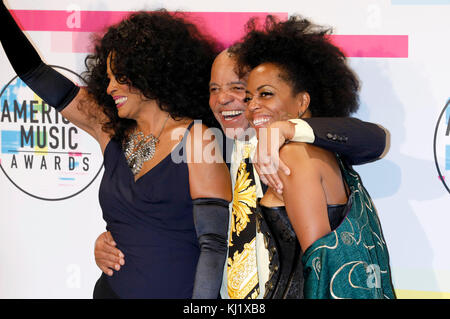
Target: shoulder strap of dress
187,131
180,148
189,126
346,179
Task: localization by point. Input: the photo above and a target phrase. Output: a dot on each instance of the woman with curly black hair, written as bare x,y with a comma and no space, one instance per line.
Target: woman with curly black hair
324,215
147,82
162,56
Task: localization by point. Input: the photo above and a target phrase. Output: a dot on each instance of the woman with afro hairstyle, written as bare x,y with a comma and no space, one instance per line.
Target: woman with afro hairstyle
323,233
147,82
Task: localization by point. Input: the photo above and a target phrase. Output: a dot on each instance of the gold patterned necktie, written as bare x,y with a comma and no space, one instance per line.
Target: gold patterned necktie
242,273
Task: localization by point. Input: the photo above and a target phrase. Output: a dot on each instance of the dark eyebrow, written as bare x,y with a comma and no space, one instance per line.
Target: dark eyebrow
261,86
229,83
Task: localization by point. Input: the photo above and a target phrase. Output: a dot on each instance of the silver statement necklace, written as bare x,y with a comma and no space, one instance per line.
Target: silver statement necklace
139,148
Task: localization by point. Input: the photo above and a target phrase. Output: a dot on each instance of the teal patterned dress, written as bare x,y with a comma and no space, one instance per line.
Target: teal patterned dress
352,261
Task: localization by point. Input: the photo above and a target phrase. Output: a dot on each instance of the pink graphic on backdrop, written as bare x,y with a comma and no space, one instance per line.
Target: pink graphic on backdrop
372,46
226,27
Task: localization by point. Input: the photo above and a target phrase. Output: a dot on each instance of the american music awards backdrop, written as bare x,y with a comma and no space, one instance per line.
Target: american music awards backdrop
50,170
59,159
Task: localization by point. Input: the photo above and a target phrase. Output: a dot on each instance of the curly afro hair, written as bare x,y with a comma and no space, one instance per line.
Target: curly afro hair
309,61
163,56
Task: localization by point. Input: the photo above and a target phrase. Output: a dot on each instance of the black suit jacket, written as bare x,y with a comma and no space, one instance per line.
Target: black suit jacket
356,141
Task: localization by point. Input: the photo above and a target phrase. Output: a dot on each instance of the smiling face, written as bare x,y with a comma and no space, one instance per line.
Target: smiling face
270,98
127,98
226,95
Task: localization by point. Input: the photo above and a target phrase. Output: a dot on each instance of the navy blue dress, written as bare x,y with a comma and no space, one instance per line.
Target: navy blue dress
152,223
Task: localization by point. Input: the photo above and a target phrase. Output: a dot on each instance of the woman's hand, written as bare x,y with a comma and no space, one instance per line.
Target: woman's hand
267,156
107,256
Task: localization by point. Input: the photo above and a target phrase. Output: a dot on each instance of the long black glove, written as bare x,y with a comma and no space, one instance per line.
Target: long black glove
211,217
55,89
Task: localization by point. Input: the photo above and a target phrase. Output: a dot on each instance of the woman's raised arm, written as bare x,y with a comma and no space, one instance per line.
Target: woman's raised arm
54,88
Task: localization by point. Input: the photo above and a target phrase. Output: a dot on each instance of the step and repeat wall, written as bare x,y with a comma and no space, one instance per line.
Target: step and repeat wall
51,170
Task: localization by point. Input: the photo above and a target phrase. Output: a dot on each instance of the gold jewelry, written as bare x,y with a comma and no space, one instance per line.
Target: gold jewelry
139,148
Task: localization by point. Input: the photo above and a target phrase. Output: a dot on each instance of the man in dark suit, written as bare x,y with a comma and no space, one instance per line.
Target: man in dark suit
356,141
